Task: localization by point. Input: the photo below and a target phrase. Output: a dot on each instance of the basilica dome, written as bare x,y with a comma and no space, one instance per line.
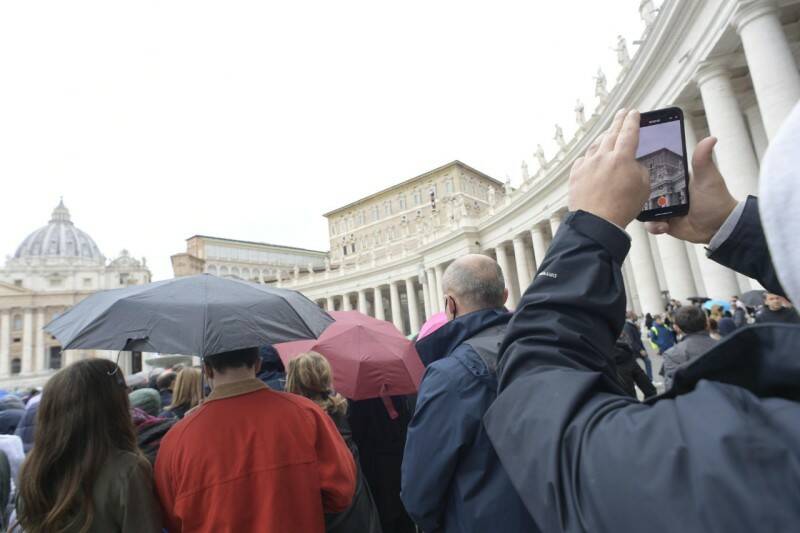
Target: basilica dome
60,239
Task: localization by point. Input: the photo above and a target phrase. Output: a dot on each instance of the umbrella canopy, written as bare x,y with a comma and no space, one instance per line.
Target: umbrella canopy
198,315
435,321
726,306
370,358
753,298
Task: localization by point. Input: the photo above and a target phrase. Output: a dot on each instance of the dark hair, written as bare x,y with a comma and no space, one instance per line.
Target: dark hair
691,319
84,416
165,379
244,358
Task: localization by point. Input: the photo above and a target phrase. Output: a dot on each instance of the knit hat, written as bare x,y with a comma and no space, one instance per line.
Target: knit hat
148,400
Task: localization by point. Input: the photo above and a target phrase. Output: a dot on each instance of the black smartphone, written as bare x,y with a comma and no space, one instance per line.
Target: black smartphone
662,149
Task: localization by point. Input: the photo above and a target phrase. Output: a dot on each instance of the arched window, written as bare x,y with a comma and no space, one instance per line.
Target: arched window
16,365
55,358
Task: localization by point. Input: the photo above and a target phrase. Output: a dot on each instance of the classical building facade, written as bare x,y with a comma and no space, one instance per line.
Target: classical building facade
54,268
252,261
731,65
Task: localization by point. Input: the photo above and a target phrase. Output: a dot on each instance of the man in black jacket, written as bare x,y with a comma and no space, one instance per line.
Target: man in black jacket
721,450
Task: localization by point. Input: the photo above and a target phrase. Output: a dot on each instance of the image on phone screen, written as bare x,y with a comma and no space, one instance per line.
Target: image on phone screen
662,150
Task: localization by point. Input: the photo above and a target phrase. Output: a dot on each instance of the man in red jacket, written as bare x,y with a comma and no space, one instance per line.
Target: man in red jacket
252,459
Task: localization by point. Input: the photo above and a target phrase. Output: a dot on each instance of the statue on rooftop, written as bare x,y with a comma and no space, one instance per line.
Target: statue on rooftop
623,57
580,117
600,90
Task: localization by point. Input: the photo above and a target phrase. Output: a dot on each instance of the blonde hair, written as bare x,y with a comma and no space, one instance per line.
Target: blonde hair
310,375
188,388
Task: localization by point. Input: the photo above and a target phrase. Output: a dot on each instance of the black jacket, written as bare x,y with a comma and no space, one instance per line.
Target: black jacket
783,316
634,339
630,373
720,451
362,515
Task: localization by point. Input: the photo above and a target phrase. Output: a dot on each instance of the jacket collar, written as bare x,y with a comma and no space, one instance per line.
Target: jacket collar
236,388
761,358
447,338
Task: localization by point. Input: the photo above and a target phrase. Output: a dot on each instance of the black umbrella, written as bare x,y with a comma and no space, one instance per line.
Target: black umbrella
753,298
698,299
197,315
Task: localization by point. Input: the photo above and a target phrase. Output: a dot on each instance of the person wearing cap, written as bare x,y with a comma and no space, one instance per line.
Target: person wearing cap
721,448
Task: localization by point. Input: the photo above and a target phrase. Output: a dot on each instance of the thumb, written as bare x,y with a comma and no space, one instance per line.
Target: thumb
702,158
657,228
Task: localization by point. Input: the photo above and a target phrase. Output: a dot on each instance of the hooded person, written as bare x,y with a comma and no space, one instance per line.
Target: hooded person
272,372
721,448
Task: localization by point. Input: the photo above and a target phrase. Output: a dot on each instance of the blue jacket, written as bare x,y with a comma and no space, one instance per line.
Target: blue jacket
662,337
452,480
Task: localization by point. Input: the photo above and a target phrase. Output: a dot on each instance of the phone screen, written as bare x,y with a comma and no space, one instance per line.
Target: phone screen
662,149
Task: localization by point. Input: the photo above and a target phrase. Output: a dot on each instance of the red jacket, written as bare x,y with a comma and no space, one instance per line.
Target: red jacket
252,459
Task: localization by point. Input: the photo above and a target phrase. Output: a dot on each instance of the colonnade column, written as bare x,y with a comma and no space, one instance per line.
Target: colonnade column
377,294
718,281
539,247
347,305
439,269
426,296
776,80
643,270
39,347
523,275
413,305
330,303
27,341
362,301
677,270
397,312
502,260
555,222
735,155
5,342
434,299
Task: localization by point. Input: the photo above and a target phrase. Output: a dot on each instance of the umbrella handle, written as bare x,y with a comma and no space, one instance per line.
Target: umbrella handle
388,403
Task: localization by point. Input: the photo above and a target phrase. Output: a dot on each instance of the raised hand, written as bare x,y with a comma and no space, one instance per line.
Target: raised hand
608,181
710,202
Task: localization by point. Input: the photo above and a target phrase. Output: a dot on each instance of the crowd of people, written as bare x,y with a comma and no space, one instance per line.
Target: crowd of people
523,422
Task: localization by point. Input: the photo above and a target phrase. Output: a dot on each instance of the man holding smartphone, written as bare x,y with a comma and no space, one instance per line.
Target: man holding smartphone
722,448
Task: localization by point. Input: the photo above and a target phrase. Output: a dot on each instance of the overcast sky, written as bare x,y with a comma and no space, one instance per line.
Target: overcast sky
158,120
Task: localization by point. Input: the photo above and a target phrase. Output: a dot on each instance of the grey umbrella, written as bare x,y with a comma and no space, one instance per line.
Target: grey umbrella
753,298
198,315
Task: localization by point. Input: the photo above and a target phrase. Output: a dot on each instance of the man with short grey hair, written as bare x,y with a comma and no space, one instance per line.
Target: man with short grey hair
452,480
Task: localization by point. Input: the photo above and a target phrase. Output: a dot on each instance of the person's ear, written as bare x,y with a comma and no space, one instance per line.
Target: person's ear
209,371
505,296
257,366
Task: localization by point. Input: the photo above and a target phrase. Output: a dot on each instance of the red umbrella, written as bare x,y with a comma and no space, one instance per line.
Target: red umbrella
370,358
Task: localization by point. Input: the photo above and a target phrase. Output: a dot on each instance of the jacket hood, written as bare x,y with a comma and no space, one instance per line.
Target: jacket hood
779,196
447,338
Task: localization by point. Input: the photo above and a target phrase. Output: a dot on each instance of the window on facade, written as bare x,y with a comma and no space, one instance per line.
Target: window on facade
16,322
344,250
417,197
55,358
17,339
387,208
448,186
55,282
18,283
376,213
123,278
16,365
353,247
401,201
87,282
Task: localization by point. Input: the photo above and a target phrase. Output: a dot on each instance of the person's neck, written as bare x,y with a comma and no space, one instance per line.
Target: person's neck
232,375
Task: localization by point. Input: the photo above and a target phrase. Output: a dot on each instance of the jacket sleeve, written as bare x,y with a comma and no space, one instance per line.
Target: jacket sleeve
140,510
165,486
337,470
745,250
435,438
669,365
642,381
